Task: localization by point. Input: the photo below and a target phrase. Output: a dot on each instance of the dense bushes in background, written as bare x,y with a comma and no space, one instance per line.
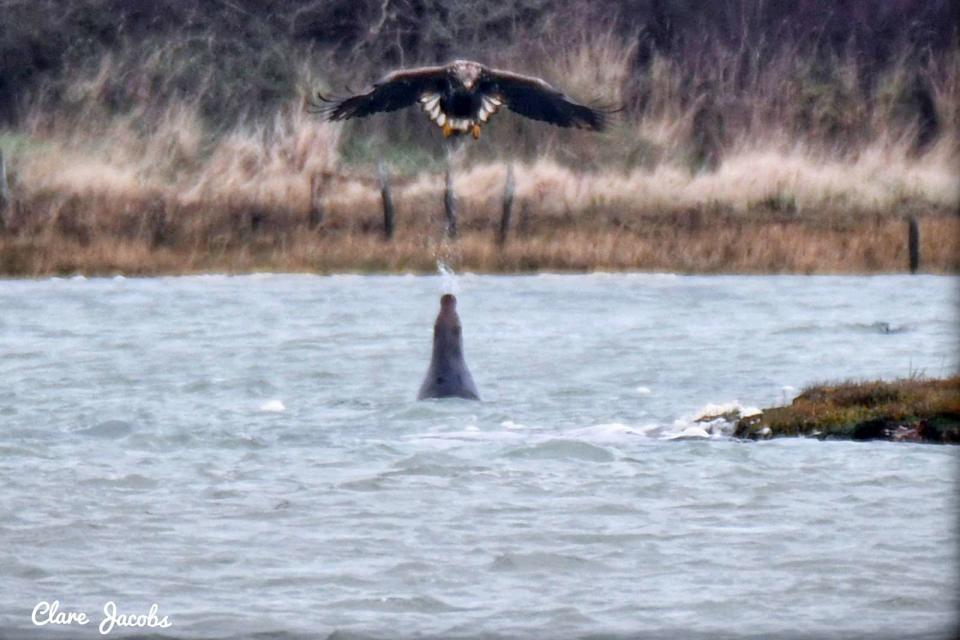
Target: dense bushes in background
243,59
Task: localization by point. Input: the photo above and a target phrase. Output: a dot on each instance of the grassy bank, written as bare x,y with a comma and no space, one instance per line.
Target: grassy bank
910,410
282,200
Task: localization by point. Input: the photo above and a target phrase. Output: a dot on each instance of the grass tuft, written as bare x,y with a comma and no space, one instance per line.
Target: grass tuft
914,409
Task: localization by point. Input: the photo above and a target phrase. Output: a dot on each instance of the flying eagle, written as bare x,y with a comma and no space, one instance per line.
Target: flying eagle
462,95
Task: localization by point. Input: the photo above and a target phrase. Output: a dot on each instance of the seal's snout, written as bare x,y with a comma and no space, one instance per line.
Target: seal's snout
448,302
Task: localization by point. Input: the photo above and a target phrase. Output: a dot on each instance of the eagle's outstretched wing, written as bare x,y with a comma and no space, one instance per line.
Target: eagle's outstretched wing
394,91
534,98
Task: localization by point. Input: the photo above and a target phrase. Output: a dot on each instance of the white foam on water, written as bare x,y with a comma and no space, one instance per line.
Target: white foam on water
690,433
611,431
643,391
699,423
787,394
716,409
448,439
273,406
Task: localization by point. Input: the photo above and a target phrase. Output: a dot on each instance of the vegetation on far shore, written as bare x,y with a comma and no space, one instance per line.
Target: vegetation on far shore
907,410
755,137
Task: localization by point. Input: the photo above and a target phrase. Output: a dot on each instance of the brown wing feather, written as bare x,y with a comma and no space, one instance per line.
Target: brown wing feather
394,91
536,99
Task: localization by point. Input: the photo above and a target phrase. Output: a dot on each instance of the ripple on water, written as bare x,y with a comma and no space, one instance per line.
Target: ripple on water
562,449
15,451
107,429
364,484
127,481
395,604
545,562
434,464
24,570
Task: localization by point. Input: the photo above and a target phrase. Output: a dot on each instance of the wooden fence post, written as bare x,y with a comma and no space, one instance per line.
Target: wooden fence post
4,191
387,198
450,203
508,191
913,244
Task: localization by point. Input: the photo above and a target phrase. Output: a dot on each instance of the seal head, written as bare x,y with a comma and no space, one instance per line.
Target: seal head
448,375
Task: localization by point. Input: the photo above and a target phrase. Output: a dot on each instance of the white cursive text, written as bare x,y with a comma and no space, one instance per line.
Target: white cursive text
49,613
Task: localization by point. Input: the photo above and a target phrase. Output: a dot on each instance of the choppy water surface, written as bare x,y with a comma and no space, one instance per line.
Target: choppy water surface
247,453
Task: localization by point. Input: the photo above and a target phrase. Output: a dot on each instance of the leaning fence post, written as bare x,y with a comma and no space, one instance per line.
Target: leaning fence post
315,215
913,244
450,203
508,190
384,178
4,191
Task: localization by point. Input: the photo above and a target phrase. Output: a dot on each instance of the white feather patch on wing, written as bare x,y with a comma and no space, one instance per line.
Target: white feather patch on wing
488,106
430,103
441,119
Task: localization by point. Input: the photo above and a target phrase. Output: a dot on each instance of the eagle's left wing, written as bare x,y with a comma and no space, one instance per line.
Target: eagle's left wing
534,98
394,91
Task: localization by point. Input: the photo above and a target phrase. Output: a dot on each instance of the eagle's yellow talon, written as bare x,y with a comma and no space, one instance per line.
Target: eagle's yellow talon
475,130
447,130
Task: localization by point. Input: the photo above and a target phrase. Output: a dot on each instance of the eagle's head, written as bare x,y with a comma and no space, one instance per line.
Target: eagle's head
465,72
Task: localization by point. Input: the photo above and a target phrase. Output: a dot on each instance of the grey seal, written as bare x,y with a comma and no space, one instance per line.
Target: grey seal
448,375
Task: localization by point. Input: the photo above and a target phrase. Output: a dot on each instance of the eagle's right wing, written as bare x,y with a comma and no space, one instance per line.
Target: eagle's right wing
394,91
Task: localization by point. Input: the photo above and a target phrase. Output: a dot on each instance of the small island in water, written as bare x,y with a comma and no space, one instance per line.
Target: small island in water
908,410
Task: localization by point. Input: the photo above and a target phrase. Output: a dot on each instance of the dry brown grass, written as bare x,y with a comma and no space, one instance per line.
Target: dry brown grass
161,204
753,246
